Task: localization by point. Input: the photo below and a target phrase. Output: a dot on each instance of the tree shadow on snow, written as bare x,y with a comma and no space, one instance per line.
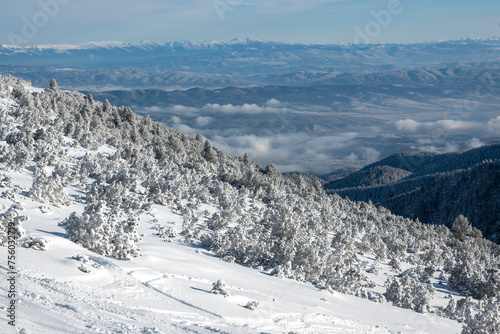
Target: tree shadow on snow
57,234
202,290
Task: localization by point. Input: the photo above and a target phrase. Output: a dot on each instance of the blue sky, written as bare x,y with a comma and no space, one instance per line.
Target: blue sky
30,22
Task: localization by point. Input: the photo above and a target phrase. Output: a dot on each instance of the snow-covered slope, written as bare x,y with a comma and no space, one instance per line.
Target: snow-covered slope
123,225
167,290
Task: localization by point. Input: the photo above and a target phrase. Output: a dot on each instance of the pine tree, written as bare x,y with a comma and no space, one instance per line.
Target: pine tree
53,85
462,228
199,138
208,152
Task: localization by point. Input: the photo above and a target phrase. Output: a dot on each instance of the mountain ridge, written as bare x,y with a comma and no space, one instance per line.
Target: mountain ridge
234,41
433,187
244,52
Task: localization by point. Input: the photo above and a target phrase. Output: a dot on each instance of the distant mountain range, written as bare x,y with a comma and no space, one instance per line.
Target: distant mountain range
322,88
240,62
435,188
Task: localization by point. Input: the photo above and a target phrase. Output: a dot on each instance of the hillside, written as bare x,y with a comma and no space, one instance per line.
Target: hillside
434,188
435,86
124,224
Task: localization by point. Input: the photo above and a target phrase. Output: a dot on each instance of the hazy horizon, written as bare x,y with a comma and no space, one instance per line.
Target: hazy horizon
242,39
43,22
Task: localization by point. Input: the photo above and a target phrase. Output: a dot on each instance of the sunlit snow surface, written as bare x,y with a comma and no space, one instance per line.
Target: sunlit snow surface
167,290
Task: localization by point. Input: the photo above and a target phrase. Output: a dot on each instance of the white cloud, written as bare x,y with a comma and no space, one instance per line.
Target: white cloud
271,106
474,142
448,135
259,148
352,157
187,129
203,121
451,147
273,103
294,151
370,154
427,148
183,109
447,126
407,125
494,125
455,126
176,120
152,109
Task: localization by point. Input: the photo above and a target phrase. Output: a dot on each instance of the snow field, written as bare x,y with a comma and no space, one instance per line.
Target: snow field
167,290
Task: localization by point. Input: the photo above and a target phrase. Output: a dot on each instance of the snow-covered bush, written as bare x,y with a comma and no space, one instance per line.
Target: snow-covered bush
395,264
473,276
217,222
450,310
219,288
14,157
165,232
407,291
83,268
10,194
283,271
342,271
374,268
48,188
4,180
486,321
44,209
371,295
81,257
102,231
229,259
36,243
251,305
10,224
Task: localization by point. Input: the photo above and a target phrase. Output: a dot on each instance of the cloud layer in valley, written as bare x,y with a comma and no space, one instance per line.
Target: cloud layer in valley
293,140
